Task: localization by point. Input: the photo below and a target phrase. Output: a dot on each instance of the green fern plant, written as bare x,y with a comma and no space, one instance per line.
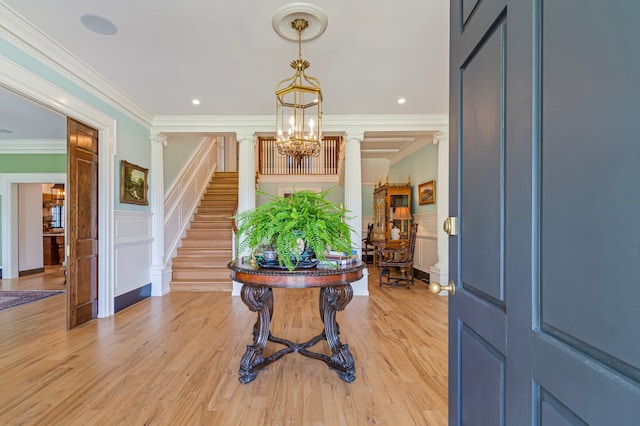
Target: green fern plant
282,221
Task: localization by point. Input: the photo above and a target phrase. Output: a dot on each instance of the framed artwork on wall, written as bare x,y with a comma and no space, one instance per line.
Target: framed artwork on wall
427,192
133,184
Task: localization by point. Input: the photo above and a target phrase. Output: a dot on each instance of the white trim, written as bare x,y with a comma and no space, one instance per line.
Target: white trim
361,287
330,123
414,147
33,146
132,250
34,87
9,195
439,272
426,250
283,17
28,38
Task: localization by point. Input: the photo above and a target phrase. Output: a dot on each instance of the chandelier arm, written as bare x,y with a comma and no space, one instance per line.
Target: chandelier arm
312,80
286,80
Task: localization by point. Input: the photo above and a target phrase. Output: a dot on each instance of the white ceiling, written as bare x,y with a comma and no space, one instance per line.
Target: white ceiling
226,54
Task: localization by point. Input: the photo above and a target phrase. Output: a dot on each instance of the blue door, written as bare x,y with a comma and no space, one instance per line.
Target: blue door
545,183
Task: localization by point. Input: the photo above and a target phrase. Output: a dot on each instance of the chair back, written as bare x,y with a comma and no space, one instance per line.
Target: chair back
369,239
412,242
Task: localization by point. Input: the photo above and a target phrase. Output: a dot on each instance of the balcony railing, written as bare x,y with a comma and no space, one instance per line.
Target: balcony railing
270,162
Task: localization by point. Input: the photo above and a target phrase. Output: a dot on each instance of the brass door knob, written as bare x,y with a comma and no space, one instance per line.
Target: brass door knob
437,288
450,225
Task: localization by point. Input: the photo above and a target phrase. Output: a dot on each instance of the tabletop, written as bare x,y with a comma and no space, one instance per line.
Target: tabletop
318,276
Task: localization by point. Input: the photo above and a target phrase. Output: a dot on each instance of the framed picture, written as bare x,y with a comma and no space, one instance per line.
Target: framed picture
133,184
427,192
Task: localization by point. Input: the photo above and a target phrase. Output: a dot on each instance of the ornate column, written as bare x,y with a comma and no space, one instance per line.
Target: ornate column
353,201
160,273
440,271
246,182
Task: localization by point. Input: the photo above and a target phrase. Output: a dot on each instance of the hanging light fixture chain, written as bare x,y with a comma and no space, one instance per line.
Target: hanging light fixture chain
299,25
299,43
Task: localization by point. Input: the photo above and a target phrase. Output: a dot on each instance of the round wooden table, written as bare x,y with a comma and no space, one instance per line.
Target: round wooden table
335,294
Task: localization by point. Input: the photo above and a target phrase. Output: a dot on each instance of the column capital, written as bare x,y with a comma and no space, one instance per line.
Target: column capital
160,138
246,137
440,137
357,136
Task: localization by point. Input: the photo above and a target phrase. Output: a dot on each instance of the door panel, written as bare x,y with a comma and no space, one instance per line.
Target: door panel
599,167
468,7
590,252
477,312
481,151
482,380
547,322
83,223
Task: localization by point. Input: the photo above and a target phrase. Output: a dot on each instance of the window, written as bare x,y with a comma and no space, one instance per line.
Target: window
58,217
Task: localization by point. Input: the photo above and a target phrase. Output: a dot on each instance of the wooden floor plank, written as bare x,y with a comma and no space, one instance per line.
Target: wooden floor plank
174,360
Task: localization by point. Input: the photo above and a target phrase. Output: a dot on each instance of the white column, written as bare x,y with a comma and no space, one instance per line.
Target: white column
353,201
246,182
160,273
440,271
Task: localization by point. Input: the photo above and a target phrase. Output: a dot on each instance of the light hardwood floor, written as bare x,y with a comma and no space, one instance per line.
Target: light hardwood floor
174,360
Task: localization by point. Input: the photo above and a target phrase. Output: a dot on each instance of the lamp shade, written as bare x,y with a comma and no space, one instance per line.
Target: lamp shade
402,213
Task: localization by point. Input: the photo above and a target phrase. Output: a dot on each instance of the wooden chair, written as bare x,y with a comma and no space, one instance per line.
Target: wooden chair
396,265
367,244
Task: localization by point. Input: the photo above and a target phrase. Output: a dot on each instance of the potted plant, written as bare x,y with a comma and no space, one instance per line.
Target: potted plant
295,226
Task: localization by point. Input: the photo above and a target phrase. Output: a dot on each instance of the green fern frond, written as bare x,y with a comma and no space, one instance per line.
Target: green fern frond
281,221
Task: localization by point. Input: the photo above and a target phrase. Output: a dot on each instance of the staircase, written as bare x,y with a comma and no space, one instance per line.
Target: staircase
201,262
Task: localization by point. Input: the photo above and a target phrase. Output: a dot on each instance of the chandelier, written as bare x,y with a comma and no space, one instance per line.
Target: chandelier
299,107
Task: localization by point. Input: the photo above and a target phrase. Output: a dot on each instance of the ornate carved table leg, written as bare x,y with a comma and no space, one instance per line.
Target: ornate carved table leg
260,300
333,299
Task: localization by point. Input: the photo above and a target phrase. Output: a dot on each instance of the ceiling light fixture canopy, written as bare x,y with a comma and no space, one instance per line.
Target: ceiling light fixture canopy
299,107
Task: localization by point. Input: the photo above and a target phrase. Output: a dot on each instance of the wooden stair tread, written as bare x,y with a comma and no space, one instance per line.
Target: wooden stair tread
201,262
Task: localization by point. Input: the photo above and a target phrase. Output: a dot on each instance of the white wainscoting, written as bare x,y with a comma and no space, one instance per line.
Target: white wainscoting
132,245
182,199
426,252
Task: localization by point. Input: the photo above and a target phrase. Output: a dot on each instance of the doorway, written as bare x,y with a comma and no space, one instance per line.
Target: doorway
37,89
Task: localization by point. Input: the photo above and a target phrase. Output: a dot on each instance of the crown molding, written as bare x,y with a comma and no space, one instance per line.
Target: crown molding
410,150
330,123
387,122
31,40
33,146
214,123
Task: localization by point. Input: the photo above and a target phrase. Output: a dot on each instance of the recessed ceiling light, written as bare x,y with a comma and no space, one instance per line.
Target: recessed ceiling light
98,24
5,132
195,102
402,100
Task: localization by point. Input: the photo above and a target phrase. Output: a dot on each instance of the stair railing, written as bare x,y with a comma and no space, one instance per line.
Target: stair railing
271,162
